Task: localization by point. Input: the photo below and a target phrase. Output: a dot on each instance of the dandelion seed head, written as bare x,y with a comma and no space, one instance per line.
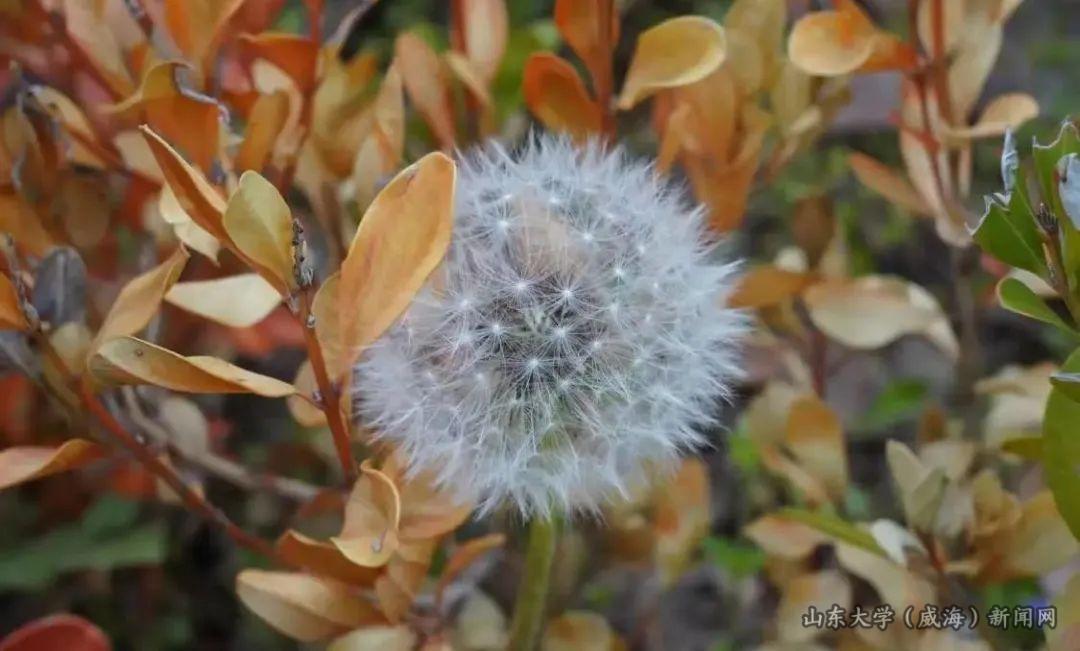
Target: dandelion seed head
574,339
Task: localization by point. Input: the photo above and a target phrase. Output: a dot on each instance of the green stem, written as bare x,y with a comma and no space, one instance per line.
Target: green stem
533,590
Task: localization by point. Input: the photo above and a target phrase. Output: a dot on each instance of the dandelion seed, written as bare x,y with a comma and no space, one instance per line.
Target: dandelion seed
599,365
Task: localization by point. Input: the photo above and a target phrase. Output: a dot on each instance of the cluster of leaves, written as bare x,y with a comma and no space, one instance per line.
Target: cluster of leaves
261,173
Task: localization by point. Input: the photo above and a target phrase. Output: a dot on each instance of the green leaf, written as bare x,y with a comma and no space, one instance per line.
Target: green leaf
103,540
900,400
1046,158
834,526
1028,447
1010,237
1017,297
737,558
1061,442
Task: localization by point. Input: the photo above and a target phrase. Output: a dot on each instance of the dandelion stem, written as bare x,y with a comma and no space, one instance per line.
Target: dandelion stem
532,593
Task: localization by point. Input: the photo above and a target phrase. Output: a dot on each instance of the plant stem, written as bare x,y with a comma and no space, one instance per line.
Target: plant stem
532,593
328,390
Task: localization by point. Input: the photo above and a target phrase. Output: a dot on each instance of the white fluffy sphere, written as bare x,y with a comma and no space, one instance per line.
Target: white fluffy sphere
573,340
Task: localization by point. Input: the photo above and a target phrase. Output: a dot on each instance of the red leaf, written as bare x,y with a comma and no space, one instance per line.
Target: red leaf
57,633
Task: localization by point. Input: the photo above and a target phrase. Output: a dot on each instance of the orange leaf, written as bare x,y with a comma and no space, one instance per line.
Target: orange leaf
369,536
402,238
304,607
831,43
768,285
88,28
588,33
677,52
425,81
188,119
557,97
140,299
295,55
55,632
22,464
196,25
323,558
265,124
197,197
127,360
11,314
886,182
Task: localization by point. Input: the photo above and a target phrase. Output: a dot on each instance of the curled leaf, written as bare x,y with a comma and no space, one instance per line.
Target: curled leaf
677,52
303,607
369,536
830,43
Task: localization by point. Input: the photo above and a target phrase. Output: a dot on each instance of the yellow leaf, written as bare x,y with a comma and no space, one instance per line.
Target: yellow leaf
677,52
764,21
816,439
305,413
425,81
127,360
11,314
323,558
369,536
328,326
265,124
376,638
303,607
197,197
402,238
831,43
886,182
187,231
577,630
1039,543
236,301
259,223
557,97
26,463
1001,114
140,299
89,30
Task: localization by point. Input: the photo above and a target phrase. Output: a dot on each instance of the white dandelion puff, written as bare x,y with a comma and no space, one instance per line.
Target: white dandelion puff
574,339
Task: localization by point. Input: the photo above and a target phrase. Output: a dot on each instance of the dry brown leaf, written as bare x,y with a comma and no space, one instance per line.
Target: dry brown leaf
873,311
578,630
557,97
469,77
681,517
820,590
402,238
84,144
305,413
480,625
85,209
26,463
11,313
89,29
303,607
885,181
189,120
764,21
260,225
140,299
196,25
1040,542
677,52
293,54
830,43
425,81
369,536
20,220
127,360
323,558
784,537
238,301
